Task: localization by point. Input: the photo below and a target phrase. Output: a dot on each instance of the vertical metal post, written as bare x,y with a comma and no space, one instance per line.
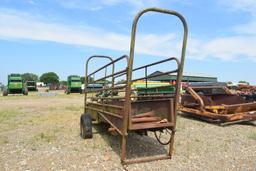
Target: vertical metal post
171,142
123,148
146,75
183,51
180,67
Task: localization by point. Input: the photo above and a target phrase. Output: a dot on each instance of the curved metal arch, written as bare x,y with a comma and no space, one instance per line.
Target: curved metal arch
86,72
183,51
97,56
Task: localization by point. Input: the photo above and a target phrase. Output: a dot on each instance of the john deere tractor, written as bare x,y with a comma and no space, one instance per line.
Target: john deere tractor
74,84
15,85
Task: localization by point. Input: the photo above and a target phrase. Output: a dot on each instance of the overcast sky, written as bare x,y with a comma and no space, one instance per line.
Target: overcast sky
56,35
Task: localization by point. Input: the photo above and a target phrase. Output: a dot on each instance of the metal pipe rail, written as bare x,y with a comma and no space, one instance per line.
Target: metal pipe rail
86,73
158,62
157,75
111,75
153,96
124,72
108,64
112,62
183,51
152,64
124,124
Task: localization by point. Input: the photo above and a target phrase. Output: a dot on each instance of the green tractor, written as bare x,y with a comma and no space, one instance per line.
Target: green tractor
31,85
74,84
15,85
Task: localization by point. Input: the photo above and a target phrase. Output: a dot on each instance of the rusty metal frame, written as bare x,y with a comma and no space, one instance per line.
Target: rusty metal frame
219,112
183,51
123,113
86,73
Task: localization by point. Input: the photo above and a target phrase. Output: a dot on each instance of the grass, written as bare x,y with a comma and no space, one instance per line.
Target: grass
3,140
7,114
252,136
46,136
73,108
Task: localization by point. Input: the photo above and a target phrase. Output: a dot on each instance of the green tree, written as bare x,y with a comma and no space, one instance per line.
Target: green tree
50,78
242,81
29,77
121,82
63,83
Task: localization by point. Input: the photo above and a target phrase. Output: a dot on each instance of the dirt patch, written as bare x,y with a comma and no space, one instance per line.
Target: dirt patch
42,133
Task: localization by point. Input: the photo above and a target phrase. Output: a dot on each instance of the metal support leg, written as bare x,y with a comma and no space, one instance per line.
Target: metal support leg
171,143
123,149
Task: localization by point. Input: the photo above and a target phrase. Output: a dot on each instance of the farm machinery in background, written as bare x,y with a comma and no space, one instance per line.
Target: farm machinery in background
248,92
74,84
143,87
31,85
215,103
15,85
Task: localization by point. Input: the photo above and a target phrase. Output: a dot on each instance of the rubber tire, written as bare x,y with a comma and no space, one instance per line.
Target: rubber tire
25,91
5,92
67,91
86,126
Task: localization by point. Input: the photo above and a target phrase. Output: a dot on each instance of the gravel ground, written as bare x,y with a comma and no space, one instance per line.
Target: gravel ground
42,133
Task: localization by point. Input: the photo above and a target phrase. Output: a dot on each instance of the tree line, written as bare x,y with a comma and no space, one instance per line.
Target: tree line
47,78
242,81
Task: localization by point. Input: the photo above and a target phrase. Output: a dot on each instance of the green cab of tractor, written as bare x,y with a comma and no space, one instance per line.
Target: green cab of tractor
15,85
74,84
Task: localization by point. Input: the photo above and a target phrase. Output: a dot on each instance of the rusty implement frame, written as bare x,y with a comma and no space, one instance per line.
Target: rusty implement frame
217,104
125,112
